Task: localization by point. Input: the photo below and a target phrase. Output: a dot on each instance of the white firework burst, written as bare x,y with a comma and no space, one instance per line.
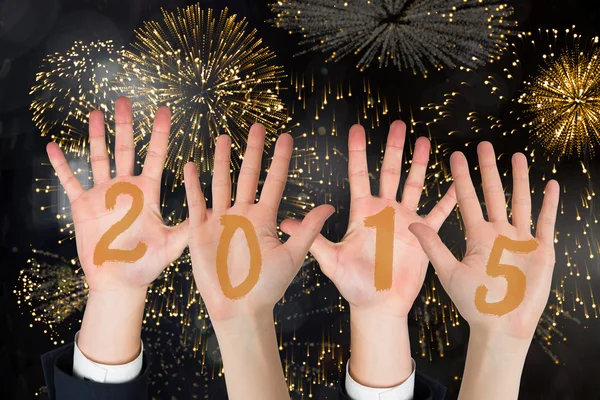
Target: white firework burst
409,33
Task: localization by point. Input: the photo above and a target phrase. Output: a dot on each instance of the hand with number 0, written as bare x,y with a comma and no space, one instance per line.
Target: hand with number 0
240,266
379,266
501,296
122,241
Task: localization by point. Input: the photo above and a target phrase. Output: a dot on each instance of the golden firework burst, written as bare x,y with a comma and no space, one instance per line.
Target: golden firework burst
216,76
68,86
54,291
562,102
413,35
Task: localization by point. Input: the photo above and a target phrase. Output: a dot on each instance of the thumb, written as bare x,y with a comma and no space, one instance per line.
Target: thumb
177,240
303,235
322,249
441,258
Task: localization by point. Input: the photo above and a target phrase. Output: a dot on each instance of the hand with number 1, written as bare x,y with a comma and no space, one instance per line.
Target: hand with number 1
122,241
379,266
501,286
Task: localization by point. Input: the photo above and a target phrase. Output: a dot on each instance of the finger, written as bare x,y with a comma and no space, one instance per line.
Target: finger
322,249
441,258
250,171
98,152
194,195
389,178
154,163
521,198
495,201
124,146
64,172
300,241
358,171
278,172
468,203
177,240
221,180
442,209
547,217
413,187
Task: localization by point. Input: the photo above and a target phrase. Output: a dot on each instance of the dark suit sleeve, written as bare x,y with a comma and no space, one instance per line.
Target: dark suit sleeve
62,385
428,389
425,388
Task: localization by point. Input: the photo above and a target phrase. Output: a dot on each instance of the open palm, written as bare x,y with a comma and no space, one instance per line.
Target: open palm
280,262
461,279
92,218
350,263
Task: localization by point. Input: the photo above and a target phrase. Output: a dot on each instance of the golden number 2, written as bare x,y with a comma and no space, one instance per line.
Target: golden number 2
231,223
102,252
383,222
515,278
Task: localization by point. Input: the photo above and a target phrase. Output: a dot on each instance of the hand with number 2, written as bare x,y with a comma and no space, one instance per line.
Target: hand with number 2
122,241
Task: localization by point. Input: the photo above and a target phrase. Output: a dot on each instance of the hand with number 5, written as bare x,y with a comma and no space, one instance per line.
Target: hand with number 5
501,286
379,282
240,266
122,241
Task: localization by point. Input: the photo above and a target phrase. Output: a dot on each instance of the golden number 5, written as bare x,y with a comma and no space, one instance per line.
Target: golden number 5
231,224
103,253
383,222
515,278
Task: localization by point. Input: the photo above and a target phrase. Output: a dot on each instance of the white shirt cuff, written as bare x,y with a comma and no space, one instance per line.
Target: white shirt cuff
84,368
404,391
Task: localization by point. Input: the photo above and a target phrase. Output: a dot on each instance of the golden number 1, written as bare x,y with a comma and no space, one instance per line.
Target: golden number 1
515,278
102,253
383,222
231,223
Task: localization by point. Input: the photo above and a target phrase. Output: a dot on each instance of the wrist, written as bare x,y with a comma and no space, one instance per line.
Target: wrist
112,324
376,312
119,297
380,348
494,365
247,324
500,344
251,361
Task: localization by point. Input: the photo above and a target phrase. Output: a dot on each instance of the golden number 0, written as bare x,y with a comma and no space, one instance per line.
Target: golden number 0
232,223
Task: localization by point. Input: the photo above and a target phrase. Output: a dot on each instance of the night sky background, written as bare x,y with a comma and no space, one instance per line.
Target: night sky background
29,30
